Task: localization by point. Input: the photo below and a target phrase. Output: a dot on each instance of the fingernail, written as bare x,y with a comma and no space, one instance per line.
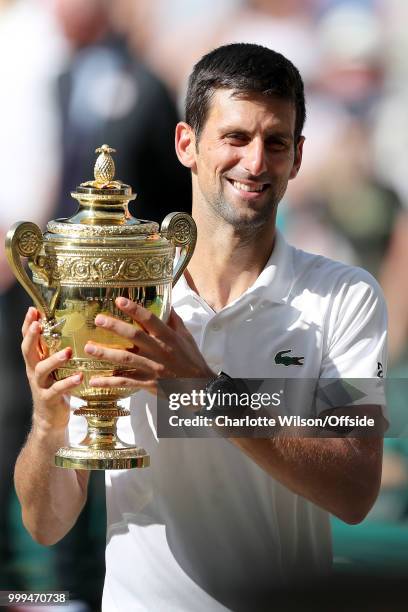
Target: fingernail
34,327
63,355
90,348
122,302
100,320
76,378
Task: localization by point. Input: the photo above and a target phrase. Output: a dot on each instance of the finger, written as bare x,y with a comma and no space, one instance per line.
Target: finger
148,347
136,335
31,316
31,344
176,322
125,330
62,386
44,368
144,317
114,382
123,358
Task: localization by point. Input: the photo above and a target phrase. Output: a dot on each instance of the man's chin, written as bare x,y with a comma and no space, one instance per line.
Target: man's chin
247,215
249,219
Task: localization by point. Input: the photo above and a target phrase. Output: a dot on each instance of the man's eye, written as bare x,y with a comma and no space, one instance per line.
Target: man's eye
236,138
276,145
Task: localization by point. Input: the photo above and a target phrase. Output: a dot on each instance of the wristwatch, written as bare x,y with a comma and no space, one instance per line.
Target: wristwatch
222,386
222,383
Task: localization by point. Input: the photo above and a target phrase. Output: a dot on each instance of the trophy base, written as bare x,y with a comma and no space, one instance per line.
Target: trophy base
102,449
86,458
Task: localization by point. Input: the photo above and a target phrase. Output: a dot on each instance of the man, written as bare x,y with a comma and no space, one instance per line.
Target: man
217,524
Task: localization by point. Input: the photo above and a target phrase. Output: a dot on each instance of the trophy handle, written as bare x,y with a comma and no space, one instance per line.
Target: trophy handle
181,230
24,239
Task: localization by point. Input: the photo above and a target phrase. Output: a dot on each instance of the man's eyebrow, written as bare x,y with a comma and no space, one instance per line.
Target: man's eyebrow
233,129
270,134
286,136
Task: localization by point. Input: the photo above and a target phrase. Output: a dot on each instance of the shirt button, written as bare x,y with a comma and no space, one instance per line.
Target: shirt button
215,327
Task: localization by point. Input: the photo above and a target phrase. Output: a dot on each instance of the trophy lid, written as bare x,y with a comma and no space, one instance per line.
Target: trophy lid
103,206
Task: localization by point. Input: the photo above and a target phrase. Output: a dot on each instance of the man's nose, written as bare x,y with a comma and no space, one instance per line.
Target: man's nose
255,158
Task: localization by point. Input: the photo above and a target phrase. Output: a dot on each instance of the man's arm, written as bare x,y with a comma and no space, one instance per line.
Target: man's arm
51,498
340,475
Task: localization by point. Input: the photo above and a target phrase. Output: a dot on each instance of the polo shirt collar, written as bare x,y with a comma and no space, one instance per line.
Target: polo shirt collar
275,280
273,283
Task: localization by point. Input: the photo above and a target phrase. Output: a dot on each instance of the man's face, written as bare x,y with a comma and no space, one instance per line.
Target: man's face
245,157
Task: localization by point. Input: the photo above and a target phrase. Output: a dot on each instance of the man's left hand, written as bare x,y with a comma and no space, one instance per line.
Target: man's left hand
160,350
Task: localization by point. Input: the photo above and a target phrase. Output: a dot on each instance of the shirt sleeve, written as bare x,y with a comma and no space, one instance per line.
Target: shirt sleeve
77,424
355,344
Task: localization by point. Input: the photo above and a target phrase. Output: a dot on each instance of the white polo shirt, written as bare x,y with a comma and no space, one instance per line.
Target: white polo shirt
204,528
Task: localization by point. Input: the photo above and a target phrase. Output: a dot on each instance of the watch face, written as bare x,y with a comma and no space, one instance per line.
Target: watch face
224,386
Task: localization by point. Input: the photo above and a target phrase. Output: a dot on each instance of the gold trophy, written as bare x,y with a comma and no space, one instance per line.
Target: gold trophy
79,267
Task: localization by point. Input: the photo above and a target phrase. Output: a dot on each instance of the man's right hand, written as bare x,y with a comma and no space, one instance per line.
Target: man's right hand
51,498
51,398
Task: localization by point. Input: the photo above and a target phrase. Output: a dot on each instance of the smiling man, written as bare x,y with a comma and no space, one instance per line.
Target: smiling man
247,152
217,524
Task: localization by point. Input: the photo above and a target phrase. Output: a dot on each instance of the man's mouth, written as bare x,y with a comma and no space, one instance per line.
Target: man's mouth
249,187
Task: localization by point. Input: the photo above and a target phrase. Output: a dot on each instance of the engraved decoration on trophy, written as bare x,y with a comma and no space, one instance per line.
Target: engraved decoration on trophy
79,266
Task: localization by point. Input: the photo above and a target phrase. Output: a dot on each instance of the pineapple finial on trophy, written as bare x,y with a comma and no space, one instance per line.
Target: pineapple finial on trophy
104,169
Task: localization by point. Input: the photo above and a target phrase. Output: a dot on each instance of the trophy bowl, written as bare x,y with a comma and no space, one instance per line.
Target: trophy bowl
79,266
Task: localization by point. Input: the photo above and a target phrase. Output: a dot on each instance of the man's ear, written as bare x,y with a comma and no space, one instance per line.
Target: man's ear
186,145
298,158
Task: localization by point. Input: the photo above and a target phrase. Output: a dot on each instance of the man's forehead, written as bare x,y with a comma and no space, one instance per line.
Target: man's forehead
227,105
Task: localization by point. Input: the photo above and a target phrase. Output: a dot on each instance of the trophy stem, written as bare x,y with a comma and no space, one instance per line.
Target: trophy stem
102,449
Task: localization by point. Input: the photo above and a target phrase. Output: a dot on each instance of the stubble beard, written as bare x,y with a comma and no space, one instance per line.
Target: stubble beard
246,224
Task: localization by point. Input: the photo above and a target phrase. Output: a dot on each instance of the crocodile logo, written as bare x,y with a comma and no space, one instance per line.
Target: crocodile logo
282,358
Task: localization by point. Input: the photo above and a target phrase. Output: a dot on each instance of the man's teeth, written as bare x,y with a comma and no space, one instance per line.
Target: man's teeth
244,187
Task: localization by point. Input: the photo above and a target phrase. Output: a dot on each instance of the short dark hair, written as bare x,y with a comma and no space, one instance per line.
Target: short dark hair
246,68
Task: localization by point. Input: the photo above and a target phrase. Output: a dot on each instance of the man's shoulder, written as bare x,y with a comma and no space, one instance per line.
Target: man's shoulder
320,273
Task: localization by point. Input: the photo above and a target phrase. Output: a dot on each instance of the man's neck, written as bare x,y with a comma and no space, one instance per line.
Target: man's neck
226,262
